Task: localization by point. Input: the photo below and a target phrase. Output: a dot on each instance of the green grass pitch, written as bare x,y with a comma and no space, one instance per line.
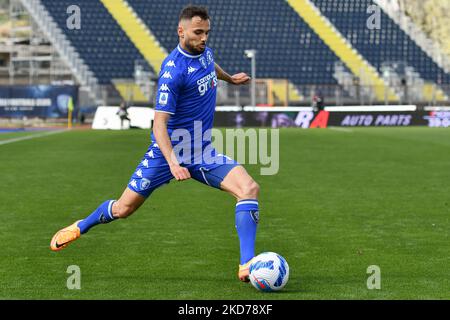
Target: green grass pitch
341,202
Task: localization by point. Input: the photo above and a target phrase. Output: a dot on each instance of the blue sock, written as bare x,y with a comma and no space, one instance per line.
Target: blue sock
103,214
247,217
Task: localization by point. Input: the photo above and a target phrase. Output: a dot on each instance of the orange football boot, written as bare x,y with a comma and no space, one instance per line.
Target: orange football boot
65,236
244,272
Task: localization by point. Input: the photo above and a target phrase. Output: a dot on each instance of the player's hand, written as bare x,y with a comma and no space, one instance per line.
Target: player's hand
180,173
240,78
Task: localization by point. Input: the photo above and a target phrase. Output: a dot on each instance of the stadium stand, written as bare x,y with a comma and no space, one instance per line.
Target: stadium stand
287,47
296,43
101,42
387,44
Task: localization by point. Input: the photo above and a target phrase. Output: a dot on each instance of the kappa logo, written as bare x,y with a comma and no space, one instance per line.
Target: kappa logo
139,173
164,87
150,154
133,183
145,184
170,64
167,75
191,70
145,163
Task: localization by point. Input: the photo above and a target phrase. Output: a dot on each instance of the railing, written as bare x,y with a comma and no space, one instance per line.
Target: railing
333,94
64,48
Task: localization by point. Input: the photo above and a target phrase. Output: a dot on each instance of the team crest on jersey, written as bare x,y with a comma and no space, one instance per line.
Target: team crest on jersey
209,57
163,98
145,184
203,62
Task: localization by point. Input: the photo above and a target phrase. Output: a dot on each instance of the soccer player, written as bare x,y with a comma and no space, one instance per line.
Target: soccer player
185,104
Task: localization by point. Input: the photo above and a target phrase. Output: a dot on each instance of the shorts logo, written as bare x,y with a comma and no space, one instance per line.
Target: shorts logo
145,184
163,98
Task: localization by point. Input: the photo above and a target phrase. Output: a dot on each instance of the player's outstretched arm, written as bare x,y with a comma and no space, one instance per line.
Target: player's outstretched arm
165,145
237,79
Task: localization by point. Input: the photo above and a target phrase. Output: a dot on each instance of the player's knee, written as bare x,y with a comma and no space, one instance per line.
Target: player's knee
249,190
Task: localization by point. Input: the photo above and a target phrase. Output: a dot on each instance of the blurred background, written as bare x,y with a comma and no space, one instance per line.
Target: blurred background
59,54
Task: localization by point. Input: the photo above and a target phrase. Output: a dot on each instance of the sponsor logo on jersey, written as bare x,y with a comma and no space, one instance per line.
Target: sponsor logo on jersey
163,98
170,64
167,75
206,83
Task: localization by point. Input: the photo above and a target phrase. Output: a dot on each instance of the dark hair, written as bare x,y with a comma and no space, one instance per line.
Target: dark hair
191,11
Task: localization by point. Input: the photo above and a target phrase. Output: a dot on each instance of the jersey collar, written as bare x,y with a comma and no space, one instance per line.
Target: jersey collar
187,54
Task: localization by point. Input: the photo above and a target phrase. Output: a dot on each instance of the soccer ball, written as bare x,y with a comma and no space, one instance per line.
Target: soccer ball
269,272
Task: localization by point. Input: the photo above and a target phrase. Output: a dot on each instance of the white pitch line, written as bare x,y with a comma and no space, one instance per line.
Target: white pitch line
39,135
341,129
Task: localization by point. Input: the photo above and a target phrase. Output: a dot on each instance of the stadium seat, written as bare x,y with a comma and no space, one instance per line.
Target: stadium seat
388,44
101,42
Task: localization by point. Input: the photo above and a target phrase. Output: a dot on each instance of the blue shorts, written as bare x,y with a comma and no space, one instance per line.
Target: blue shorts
153,171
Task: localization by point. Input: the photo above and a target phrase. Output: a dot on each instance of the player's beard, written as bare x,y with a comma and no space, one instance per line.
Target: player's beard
195,50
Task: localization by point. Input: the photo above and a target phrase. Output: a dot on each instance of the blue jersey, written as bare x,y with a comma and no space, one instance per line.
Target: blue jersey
187,90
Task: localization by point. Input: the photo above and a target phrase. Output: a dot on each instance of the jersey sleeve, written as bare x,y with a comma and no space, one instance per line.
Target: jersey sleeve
169,86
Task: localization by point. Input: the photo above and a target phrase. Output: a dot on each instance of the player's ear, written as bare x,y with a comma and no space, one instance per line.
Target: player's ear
180,31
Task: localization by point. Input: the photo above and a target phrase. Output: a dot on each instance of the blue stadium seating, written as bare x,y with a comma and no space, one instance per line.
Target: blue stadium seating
387,44
287,47
101,42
